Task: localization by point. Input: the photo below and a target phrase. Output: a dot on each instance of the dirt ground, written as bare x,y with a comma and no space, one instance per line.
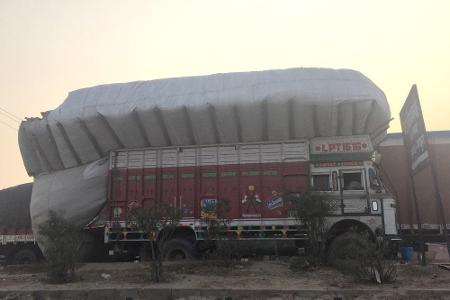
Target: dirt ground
254,274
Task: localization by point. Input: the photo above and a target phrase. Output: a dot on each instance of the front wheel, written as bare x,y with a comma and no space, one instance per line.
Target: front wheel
25,257
179,249
348,250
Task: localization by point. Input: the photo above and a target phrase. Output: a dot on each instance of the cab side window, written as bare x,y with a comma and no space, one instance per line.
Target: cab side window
321,182
352,181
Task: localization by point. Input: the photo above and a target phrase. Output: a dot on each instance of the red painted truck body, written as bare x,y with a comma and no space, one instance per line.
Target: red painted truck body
17,242
255,180
217,176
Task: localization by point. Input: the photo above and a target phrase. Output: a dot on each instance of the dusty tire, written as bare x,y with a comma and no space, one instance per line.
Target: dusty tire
24,257
347,249
92,248
2,260
179,249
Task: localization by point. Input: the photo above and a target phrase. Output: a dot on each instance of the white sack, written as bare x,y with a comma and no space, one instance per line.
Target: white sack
77,193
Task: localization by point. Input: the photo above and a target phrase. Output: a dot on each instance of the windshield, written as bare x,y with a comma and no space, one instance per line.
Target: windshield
353,181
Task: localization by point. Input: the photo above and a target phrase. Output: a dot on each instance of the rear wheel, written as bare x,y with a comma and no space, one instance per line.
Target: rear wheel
92,249
25,257
179,249
2,260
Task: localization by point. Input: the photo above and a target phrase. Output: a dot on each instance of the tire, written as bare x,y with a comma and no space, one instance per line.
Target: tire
347,249
179,249
25,257
92,248
2,260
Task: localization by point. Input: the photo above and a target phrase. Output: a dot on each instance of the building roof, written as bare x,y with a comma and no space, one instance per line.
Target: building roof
434,137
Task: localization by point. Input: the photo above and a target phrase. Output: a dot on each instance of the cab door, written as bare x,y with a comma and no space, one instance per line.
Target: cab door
354,194
389,215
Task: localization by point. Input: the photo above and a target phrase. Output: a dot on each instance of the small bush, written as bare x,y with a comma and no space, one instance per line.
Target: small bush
63,241
159,222
220,240
356,254
228,251
310,210
302,263
380,269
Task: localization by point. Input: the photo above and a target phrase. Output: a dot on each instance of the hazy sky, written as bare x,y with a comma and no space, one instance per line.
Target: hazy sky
48,48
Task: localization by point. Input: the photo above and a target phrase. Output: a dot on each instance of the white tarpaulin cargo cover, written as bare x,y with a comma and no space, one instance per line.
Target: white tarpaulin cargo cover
64,149
78,194
222,108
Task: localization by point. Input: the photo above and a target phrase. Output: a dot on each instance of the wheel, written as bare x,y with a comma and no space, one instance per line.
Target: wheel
24,257
2,260
92,248
179,249
348,249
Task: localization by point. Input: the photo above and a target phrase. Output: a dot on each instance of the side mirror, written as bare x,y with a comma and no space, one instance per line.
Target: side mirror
376,157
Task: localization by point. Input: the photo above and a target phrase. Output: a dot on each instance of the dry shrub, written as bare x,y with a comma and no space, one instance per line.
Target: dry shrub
159,222
63,241
356,254
221,242
311,209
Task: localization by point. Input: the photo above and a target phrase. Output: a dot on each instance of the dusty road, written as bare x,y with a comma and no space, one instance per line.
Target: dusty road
253,275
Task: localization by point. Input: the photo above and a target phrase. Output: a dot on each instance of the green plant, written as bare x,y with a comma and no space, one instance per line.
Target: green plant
349,252
300,263
357,254
310,210
63,241
381,270
159,222
219,239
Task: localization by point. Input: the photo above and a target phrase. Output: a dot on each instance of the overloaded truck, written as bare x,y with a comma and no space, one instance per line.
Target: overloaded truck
17,242
257,176
255,179
249,139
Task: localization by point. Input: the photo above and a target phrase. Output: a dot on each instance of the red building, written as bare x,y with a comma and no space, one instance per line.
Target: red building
396,174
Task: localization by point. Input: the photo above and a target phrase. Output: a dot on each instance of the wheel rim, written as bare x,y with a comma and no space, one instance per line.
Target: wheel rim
26,261
177,254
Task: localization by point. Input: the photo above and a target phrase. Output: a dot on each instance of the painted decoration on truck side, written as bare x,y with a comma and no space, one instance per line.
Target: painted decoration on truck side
276,201
223,172
185,211
208,208
16,238
251,203
133,204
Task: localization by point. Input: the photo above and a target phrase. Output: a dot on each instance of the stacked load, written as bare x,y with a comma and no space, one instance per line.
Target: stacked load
66,150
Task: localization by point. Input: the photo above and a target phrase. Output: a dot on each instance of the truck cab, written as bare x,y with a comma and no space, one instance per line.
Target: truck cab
342,169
